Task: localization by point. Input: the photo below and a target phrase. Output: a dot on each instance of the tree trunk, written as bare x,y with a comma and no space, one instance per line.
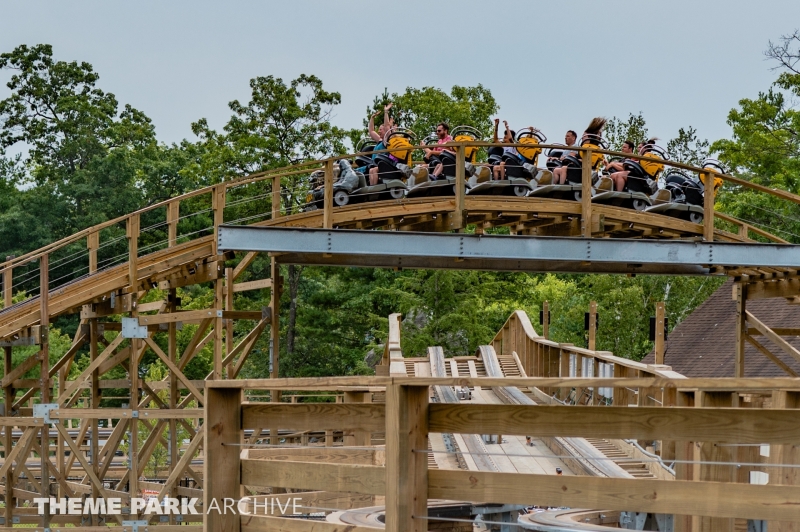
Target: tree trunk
294,274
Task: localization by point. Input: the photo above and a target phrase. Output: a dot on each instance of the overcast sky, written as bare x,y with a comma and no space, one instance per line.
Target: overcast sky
553,65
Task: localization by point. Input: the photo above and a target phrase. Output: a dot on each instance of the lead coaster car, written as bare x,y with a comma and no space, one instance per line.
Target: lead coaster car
352,187
641,189
687,194
520,168
421,184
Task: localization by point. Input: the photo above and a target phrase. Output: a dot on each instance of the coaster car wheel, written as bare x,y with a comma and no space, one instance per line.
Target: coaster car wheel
521,191
341,198
696,217
578,194
397,193
639,204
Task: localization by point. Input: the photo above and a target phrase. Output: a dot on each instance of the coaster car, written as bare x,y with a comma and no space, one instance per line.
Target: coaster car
686,194
520,167
422,181
351,187
573,188
641,187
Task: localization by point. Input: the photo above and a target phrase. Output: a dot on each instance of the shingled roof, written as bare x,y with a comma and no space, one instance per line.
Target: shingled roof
703,344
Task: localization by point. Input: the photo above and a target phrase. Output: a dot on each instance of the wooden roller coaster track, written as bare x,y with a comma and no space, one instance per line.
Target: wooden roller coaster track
107,270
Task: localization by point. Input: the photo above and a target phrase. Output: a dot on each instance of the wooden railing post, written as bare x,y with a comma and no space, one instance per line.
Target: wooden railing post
92,243
660,344
586,194
327,213
592,325
546,320
133,250
8,283
458,221
44,379
276,197
406,470
173,215
218,207
222,463
708,207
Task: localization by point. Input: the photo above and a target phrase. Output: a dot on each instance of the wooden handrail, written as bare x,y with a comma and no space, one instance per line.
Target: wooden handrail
307,167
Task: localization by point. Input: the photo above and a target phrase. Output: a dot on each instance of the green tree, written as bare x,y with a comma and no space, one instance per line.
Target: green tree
86,159
765,147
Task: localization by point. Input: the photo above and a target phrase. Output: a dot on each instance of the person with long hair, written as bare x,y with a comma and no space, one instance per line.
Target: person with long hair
590,139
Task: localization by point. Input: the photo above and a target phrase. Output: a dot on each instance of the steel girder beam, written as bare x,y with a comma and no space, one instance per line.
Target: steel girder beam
391,249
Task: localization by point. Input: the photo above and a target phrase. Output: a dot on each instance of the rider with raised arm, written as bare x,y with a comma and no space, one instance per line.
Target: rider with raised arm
377,136
499,169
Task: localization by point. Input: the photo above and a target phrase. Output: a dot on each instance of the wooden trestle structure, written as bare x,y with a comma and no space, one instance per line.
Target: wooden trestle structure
106,274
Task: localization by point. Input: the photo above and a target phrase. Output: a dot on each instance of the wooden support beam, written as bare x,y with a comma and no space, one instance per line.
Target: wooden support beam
660,342
774,338
92,244
592,326
708,208
767,353
367,417
406,482
176,371
173,216
458,216
741,328
132,233
222,471
586,193
327,202
716,499
618,422
345,478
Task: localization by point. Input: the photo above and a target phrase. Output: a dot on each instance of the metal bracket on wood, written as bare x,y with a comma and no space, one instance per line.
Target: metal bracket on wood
43,411
134,525
266,313
132,329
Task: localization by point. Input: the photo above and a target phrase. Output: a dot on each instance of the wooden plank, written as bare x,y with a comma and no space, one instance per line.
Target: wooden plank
342,383
184,316
251,285
619,422
319,499
774,338
24,367
406,431
221,471
766,352
320,454
769,289
366,479
262,523
716,499
175,371
315,416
